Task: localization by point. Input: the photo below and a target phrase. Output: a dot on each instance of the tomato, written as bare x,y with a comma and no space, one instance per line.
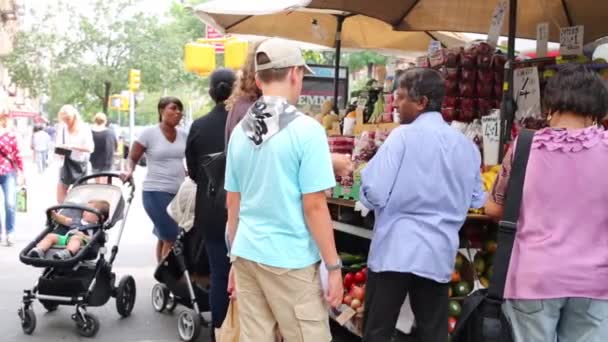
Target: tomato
347,300
456,277
364,270
360,277
452,324
349,279
358,293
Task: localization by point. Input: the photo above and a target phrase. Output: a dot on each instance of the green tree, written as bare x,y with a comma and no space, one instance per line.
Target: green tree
364,59
70,64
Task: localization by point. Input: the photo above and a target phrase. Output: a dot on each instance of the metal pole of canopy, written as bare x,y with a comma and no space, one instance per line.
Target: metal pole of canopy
507,112
340,21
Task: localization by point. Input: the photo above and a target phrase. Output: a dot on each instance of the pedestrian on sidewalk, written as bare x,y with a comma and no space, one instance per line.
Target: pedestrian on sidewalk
74,141
104,139
279,227
41,143
11,172
557,283
206,137
244,95
420,184
164,146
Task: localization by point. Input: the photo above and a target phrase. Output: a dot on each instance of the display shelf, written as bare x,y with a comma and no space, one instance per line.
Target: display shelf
353,230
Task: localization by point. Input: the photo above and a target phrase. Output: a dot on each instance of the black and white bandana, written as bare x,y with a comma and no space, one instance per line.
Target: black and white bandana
266,117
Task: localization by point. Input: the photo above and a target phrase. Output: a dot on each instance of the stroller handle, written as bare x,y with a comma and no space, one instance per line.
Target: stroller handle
130,183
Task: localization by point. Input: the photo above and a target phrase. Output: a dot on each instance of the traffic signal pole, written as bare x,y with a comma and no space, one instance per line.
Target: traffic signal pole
131,118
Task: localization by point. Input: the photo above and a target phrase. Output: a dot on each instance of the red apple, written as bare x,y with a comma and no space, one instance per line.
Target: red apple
498,62
358,292
452,58
349,279
452,73
484,48
467,89
451,87
484,61
485,106
360,277
484,90
450,102
448,114
468,59
452,321
468,109
468,75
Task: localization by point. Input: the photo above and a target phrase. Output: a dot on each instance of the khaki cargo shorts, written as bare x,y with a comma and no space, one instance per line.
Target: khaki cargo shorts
288,299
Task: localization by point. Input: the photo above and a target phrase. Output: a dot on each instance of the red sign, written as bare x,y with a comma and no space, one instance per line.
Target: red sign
20,114
213,34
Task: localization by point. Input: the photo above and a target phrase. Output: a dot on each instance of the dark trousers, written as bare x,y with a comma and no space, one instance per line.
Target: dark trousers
385,293
219,266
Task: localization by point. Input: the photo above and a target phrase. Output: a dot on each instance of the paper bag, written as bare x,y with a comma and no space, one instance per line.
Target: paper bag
230,330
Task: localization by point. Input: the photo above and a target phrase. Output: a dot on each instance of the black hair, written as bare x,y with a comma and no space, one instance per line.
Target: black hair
425,82
221,82
576,89
164,102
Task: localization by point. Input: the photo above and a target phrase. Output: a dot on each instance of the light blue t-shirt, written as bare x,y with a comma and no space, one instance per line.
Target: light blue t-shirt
271,179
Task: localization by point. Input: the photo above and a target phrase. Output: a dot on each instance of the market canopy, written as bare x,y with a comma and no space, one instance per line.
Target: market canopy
475,15
364,27
426,16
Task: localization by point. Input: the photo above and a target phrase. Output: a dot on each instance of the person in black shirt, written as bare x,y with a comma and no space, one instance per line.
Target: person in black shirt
105,145
207,136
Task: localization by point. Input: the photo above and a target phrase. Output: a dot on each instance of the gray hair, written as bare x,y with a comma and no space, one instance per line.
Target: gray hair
424,82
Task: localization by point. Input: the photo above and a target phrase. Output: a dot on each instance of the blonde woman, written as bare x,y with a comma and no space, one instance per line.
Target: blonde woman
11,166
74,142
105,144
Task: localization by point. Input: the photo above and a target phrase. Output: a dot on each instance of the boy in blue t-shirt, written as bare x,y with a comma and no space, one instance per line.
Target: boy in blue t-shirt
279,227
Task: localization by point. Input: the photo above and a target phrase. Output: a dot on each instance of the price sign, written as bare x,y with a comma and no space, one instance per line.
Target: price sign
571,40
422,61
437,58
526,92
434,45
490,125
497,21
542,39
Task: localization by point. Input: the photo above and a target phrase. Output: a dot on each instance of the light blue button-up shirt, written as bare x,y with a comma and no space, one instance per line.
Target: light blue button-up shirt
420,185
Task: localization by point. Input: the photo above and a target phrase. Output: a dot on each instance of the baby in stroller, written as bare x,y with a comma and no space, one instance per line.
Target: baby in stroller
71,251
72,232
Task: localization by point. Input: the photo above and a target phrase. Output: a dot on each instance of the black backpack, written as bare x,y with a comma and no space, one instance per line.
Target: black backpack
482,317
214,167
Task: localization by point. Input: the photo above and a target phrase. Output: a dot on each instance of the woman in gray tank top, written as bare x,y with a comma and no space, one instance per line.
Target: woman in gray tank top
164,146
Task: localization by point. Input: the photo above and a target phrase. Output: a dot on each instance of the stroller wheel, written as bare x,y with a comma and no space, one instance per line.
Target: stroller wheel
160,295
89,326
171,303
188,325
50,307
125,296
28,320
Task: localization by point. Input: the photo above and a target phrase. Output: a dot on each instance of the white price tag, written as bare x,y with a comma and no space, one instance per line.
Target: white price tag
422,61
497,20
436,58
526,92
490,125
571,40
434,45
542,39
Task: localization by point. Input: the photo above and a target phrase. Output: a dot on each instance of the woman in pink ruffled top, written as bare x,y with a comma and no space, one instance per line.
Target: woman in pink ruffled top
557,284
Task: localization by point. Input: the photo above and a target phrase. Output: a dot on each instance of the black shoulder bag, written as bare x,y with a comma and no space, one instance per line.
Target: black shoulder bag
482,317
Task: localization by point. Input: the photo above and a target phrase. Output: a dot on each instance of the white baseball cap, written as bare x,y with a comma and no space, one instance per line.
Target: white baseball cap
282,54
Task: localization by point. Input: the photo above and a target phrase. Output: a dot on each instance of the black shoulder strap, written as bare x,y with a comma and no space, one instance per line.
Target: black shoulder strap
508,226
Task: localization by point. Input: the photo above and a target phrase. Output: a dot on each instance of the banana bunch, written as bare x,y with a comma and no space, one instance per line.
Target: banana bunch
489,177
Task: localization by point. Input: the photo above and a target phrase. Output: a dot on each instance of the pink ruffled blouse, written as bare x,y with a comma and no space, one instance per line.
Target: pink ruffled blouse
561,246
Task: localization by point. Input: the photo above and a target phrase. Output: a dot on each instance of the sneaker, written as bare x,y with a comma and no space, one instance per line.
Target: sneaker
62,255
7,241
35,253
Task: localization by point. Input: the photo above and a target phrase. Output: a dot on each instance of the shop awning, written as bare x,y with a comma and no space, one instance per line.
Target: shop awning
364,27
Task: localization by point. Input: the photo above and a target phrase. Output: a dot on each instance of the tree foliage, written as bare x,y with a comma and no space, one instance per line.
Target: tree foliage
70,61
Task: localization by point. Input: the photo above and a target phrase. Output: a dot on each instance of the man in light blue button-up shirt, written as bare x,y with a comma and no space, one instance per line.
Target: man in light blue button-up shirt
420,185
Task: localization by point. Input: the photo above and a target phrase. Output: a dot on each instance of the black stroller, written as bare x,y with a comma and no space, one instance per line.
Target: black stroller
86,279
177,287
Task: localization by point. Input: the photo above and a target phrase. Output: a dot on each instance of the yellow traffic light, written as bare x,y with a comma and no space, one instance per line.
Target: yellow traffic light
134,79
